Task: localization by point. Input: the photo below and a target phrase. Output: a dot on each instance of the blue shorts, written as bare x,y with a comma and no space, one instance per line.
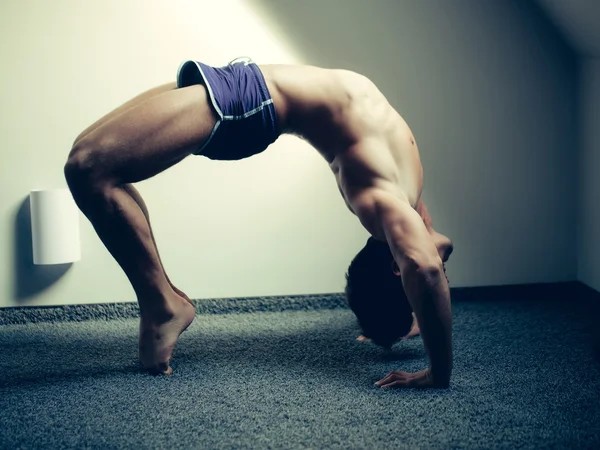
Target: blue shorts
247,122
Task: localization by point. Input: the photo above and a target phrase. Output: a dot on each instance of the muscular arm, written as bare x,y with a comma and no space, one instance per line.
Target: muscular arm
426,287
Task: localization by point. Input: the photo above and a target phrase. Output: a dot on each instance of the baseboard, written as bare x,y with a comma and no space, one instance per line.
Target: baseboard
113,311
128,310
518,291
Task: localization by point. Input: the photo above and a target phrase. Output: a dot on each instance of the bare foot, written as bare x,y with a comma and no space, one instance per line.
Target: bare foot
159,334
414,331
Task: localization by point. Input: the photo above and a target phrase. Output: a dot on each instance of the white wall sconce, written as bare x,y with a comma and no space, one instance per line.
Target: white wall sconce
54,226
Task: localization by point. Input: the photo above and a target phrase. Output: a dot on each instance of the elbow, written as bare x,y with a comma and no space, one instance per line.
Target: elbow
429,268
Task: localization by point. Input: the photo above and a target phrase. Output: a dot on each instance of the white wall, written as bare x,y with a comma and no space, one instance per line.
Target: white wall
589,181
486,86
489,89
223,229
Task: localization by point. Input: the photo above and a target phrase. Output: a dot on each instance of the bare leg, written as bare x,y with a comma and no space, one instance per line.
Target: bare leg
135,195
137,144
126,106
132,191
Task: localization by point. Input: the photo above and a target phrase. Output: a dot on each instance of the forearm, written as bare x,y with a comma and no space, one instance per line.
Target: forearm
429,296
421,269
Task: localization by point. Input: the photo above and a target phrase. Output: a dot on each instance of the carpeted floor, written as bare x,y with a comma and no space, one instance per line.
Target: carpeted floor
526,375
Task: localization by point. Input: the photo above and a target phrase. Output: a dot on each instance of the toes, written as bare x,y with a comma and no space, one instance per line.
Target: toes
161,369
165,368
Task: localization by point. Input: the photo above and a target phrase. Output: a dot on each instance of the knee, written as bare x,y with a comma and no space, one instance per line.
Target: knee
78,167
83,167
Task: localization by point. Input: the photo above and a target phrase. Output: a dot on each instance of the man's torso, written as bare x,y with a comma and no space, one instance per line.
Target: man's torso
349,121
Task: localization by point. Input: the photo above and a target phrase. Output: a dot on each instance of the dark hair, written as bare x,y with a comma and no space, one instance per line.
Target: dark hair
376,295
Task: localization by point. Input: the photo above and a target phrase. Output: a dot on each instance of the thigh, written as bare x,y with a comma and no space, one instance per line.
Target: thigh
151,136
127,105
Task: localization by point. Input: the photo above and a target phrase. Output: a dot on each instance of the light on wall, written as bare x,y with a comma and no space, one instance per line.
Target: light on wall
54,227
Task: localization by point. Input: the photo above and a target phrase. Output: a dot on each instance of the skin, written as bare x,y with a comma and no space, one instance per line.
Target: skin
445,248
368,146
414,331
375,159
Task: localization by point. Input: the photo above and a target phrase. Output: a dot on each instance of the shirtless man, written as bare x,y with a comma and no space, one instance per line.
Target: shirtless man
234,112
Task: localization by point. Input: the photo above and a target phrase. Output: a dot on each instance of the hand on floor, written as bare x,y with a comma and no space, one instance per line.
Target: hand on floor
397,379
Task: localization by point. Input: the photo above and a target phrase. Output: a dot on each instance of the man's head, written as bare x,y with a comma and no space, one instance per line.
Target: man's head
375,294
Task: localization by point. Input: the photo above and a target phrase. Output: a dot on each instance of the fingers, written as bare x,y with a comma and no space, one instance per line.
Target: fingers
395,377
413,332
362,338
414,329
397,383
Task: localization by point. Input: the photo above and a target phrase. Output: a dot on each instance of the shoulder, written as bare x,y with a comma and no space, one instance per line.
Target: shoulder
376,206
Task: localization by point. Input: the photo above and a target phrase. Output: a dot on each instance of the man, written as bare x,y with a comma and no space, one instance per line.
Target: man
234,112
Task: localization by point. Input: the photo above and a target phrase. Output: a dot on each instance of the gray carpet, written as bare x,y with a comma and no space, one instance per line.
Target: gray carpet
526,375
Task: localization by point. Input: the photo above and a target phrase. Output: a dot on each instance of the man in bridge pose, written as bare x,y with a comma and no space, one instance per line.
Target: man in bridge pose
234,112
